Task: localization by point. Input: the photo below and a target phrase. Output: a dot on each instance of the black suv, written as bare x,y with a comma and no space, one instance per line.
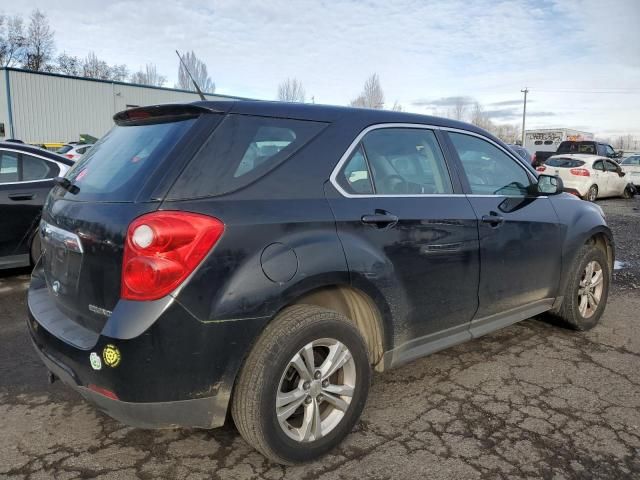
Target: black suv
259,258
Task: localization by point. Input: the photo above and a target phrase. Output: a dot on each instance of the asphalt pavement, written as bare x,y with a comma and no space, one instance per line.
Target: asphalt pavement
531,401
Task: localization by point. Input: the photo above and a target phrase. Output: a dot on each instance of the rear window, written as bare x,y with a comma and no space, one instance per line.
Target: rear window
564,162
64,149
117,166
577,147
242,149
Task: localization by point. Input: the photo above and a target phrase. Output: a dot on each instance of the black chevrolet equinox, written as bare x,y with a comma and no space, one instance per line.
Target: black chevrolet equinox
259,259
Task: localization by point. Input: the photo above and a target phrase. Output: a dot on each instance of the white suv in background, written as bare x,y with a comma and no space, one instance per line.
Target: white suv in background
631,166
589,176
74,151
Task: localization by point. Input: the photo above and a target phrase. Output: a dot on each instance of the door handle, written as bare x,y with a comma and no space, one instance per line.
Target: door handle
380,220
21,196
493,219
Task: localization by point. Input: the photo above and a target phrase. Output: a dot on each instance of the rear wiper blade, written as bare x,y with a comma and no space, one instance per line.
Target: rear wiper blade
67,185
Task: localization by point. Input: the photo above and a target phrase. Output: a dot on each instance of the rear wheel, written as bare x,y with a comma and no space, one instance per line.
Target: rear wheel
303,386
587,290
592,194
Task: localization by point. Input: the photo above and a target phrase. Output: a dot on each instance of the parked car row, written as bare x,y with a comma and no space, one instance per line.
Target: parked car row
259,259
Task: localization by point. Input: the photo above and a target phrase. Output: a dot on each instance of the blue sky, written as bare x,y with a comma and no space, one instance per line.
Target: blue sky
580,59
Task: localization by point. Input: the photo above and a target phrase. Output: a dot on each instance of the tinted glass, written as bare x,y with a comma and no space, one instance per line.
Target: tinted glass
610,167
119,164
598,165
490,171
609,150
64,149
8,166
406,161
242,149
354,177
34,168
564,162
631,161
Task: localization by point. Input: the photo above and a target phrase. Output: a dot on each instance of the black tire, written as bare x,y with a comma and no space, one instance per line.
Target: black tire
35,249
592,194
253,404
629,192
569,310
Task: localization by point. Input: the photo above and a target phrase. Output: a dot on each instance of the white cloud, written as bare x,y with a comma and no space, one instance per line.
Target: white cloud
486,49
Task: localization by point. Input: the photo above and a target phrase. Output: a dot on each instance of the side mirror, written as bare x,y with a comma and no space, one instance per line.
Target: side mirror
549,185
620,154
621,173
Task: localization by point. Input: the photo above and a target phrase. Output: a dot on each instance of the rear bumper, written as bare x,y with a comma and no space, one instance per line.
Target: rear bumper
208,412
174,370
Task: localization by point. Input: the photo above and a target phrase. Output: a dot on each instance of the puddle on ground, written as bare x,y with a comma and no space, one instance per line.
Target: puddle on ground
619,265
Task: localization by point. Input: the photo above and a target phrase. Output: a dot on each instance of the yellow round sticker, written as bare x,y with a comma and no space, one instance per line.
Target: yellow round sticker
111,355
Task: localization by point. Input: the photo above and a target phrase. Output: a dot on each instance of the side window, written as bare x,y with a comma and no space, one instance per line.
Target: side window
489,170
34,168
406,161
609,151
354,177
8,166
611,167
598,165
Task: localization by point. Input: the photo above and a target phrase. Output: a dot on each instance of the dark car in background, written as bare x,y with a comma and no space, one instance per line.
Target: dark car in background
523,152
26,176
587,147
260,258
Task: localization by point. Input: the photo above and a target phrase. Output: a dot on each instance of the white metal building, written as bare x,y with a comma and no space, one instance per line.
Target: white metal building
39,107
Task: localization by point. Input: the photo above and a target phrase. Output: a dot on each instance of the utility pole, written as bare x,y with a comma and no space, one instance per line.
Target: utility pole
524,112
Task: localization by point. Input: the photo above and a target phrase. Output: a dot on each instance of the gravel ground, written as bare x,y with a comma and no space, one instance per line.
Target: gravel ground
530,401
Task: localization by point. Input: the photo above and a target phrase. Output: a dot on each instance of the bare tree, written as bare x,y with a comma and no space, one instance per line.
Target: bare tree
12,40
291,90
479,118
69,65
199,71
39,46
459,109
372,95
397,107
148,76
93,67
119,73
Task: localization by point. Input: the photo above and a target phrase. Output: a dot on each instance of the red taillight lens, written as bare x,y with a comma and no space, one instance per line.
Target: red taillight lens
541,168
162,249
581,172
69,155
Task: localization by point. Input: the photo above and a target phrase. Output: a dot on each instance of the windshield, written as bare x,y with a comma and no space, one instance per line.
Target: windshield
564,162
577,147
117,167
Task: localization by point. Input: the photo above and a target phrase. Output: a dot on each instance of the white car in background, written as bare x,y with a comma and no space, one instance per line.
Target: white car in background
74,151
631,166
589,176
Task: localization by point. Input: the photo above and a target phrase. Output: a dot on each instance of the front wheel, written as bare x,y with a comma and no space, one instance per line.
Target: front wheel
629,192
587,289
592,194
303,386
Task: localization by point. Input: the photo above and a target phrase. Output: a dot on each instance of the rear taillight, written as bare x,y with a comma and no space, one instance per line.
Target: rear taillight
541,168
162,249
69,155
580,172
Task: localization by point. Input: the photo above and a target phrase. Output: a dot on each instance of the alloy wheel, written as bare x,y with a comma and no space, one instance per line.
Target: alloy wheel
315,390
590,289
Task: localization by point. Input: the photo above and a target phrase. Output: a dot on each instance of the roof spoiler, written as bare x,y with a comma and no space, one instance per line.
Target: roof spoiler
171,112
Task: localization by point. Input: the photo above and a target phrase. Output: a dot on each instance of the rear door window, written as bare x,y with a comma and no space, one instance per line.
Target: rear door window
8,167
34,168
117,166
242,149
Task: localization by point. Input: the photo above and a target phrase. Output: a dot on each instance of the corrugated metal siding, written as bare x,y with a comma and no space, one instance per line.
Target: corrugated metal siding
49,108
